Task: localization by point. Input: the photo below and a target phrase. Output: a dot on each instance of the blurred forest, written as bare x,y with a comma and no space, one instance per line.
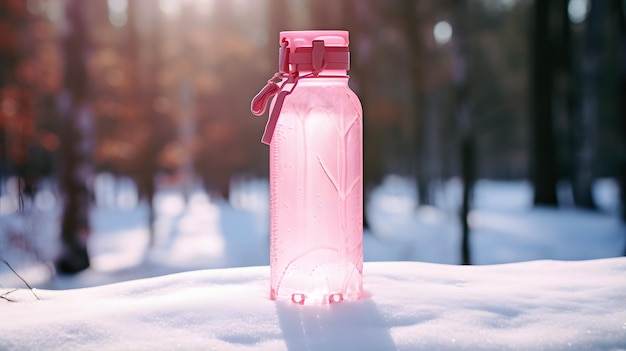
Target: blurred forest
159,91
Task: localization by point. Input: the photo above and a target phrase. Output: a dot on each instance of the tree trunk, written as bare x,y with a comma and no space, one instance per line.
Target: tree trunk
461,54
416,63
15,146
75,146
544,170
468,174
618,10
570,61
585,123
145,86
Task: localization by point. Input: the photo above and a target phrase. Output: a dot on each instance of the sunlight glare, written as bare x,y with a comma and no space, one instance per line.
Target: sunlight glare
118,5
578,10
442,32
117,12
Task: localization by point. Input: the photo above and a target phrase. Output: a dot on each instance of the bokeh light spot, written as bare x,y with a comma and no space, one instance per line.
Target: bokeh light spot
442,32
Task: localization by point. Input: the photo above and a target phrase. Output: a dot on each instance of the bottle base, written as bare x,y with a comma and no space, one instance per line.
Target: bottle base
315,298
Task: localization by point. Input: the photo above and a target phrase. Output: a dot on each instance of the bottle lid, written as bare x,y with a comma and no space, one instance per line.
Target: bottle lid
305,38
313,51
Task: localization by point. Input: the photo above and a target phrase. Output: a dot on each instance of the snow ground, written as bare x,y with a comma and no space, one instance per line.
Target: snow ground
541,304
538,305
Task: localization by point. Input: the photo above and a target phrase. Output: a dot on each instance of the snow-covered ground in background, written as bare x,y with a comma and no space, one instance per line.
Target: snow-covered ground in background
203,233
541,304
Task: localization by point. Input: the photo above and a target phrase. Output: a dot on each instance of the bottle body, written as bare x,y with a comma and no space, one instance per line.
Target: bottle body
316,194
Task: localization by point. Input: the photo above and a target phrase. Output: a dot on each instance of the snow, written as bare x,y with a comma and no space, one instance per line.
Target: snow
546,279
551,305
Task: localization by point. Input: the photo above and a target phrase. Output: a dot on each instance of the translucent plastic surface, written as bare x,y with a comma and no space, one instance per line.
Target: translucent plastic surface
317,195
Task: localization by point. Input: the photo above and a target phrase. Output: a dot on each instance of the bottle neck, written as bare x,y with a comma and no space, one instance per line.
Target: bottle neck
327,76
324,79
327,73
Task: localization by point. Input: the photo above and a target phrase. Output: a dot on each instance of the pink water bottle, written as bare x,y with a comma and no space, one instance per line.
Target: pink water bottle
315,134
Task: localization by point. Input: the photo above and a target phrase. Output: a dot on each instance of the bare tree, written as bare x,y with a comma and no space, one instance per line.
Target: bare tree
620,11
585,120
543,150
144,63
464,122
75,119
416,56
